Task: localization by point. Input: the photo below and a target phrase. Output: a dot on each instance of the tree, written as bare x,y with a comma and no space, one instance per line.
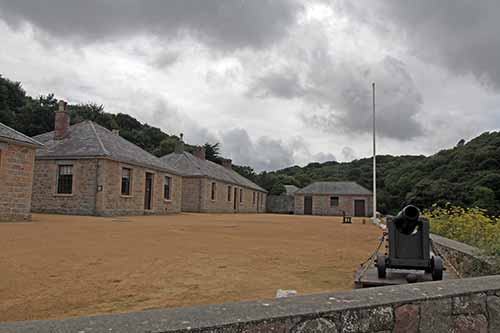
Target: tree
485,198
245,171
212,152
167,146
277,189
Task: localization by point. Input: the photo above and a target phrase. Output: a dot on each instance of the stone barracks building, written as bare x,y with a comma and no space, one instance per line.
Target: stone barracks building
334,198
17,157
86,169
208,187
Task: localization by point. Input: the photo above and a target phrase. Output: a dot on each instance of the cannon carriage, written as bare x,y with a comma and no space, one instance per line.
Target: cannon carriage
409,245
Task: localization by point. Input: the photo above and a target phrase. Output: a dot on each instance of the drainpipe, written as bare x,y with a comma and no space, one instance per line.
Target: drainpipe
98,188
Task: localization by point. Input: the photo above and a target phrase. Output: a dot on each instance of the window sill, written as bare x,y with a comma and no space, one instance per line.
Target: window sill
126,196
167,200
63,194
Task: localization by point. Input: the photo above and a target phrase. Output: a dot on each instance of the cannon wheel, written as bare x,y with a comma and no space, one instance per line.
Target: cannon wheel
437,268
381,266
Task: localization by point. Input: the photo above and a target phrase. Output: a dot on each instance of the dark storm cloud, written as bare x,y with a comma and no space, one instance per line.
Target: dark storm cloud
166,59
339,98
224,23
264,154
284,84
461,35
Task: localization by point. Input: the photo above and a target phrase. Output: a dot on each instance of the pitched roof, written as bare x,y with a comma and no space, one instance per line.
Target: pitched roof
290,189
10,134
346,188
196,167
88,139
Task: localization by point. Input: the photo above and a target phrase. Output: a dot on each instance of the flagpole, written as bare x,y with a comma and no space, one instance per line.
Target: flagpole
374,161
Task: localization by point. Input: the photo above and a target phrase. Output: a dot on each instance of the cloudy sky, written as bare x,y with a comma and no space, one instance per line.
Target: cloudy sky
276,82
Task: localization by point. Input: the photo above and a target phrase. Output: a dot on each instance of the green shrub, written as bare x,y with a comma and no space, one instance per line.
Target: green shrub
468,225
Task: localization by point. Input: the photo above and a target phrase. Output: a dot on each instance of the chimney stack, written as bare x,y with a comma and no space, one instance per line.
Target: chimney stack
61,123
227,163
200,152
179,145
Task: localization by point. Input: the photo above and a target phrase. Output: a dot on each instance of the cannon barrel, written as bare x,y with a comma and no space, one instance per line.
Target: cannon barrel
407,219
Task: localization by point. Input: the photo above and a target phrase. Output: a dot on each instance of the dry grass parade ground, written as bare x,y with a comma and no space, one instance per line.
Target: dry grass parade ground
58,266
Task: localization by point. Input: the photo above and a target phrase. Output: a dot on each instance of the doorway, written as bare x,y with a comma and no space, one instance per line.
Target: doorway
148,193
359,208
308,205
235,199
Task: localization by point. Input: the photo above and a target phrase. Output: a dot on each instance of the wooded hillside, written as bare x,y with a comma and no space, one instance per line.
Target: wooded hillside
467,175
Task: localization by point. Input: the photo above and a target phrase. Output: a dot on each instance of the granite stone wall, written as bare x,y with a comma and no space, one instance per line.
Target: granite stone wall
191,194
321,204
97,189
16,175
110,200
280,204
466,260
197,197
80,202
462,305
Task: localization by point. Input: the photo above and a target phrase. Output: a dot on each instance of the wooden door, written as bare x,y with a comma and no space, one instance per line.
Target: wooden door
235,199
148,192
308,205
359,208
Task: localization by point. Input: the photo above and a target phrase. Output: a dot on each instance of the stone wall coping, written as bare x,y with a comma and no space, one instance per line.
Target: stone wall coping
212,317
456,245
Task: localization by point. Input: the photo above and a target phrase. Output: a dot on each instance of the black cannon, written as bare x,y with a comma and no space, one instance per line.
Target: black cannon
409,245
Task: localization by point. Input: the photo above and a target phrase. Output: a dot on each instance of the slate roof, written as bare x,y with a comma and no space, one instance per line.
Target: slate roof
196,167
10,134
344,188
290,189
88,139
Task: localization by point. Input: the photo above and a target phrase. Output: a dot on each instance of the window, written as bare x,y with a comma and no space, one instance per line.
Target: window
229,193
253,198
126,175
167,186
241,195
212,196
334,201
65,179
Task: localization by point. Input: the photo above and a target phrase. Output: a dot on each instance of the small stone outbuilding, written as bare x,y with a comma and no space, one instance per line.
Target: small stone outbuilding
86,169
208,187
17,157
334,198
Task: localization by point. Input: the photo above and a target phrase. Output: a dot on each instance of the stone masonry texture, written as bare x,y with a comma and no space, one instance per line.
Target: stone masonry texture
16,174
197,197
97,189
321,204
280,204
461,305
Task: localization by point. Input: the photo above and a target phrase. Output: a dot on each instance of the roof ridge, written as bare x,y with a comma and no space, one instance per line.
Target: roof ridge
210,169
106,152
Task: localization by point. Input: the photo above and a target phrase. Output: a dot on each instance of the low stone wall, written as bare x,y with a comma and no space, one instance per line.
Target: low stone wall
463,305
465,259
280,204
